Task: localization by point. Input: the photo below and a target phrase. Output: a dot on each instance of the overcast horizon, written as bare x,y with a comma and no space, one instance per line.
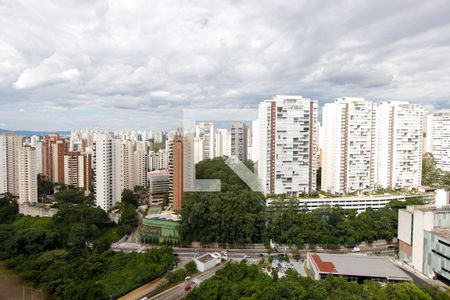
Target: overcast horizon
137,64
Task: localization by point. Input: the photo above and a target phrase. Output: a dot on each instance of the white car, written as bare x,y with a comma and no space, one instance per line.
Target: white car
247,256
356,249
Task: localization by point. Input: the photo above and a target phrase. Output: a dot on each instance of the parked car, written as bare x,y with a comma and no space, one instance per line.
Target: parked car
260,254
188,288
356,249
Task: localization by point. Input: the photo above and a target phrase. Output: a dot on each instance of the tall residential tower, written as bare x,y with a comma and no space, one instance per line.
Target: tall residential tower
287,143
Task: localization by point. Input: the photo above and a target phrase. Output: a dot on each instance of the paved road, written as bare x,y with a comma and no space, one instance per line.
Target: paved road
178,292
240,253
143,290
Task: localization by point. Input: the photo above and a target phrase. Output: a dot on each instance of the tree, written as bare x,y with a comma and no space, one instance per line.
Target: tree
431,173
128,215
45,187
130,197
191,268
242,281
8,208
69,194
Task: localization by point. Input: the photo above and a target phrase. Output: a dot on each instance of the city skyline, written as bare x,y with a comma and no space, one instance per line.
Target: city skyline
124,65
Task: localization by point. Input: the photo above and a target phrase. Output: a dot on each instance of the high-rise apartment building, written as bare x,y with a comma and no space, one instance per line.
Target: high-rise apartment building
78,170
239,140
205,134
348,146
140,168
438,137
399,144
158,160
55,147
287,143
9,164
176,168
222,142
127,156
103,173
27,175
37,144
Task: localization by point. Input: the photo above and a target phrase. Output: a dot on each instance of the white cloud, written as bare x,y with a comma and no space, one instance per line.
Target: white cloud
121,59
52,70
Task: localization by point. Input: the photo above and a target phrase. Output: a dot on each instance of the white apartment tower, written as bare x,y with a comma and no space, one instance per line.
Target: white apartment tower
348,146
438,137
140,168
222,142
27,178
103,173
399,144
9,164
287,143
127,156
205,138
39,146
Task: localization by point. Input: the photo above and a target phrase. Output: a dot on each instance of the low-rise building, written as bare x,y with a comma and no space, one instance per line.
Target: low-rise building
159,227
354,267
158,184
37,210
207,261
424,239
358,203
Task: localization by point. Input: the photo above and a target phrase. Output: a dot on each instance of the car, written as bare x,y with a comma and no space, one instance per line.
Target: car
187,278
188,288
356,249
260,254
246,256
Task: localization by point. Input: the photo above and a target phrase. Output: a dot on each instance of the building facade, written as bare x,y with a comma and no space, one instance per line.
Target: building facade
78,170
424,239
438,138
9,163
287,143
399,145
54,149
239,140
348,146
28,192
103,173
176,172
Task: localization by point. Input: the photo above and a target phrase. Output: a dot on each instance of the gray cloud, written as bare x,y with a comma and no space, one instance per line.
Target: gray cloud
136,65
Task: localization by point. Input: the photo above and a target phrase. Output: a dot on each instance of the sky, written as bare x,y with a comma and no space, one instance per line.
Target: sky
138,64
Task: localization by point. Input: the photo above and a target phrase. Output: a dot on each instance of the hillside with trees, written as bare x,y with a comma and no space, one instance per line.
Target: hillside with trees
68,255
238,215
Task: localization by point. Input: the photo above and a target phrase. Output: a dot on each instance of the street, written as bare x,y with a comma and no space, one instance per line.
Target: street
178,292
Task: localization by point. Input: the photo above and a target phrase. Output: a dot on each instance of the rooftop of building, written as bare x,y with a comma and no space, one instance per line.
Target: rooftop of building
428,207
208,257
442,232
357,265
156,213
158,173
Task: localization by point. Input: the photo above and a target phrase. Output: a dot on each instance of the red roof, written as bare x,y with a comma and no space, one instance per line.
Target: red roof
323,266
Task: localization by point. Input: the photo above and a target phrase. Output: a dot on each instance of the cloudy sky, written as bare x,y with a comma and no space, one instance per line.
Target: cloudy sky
137,64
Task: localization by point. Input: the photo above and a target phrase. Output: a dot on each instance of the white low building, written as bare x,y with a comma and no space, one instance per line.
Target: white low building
207,261
358,203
